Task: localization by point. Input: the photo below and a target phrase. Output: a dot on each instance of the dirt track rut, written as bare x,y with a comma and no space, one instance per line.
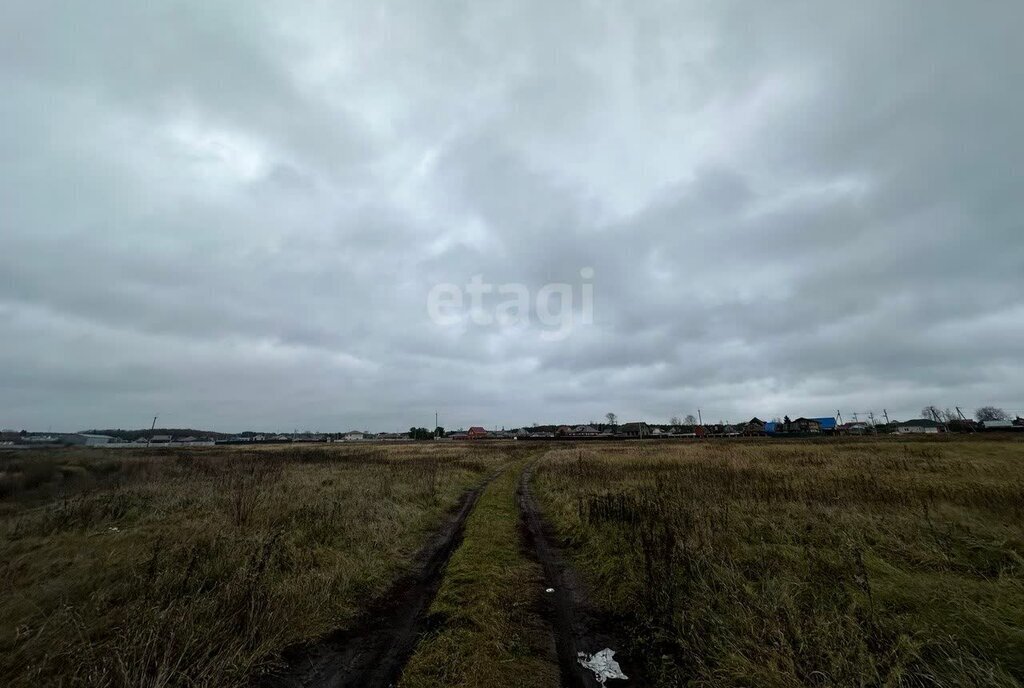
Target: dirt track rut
373,653
576,628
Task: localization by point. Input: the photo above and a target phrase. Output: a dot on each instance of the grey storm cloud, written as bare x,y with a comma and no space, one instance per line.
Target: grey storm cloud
232,214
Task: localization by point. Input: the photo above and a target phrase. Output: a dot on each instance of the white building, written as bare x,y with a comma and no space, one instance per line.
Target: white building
921,426
92,440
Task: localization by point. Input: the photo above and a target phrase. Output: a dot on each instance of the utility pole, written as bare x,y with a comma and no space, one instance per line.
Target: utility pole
938,420
886,414
151,428
839,415
700,418
855,417
966,422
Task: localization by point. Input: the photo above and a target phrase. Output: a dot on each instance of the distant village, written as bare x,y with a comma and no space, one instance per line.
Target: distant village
988,419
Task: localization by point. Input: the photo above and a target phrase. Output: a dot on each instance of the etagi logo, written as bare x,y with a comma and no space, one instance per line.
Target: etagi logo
553,305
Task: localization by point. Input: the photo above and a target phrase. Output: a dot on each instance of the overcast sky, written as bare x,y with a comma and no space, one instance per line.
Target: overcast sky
231,213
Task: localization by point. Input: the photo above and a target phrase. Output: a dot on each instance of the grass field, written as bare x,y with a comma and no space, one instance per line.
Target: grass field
726,563
196,567
864,563
488,632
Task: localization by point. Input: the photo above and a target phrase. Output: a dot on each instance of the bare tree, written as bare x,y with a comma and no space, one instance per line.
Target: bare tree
690,419
611,418
931,412
990,413
674,420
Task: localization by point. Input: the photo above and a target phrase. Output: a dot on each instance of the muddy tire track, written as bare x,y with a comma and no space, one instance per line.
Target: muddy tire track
374,651
576,626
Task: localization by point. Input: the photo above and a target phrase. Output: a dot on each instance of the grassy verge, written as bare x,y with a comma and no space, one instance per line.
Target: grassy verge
489,631
798,564
196,567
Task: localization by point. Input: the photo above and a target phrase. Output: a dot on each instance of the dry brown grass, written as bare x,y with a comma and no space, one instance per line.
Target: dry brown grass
874,563
766,563
196,567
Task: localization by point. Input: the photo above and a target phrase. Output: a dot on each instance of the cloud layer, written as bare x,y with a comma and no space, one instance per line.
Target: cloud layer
232,216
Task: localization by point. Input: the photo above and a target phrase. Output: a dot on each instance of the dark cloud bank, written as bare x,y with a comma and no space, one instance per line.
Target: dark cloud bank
233,216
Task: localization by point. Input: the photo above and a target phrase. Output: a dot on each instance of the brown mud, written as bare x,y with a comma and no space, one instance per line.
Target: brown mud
577,626
373,652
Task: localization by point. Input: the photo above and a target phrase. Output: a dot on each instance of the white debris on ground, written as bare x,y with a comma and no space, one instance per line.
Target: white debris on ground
602,664
550,590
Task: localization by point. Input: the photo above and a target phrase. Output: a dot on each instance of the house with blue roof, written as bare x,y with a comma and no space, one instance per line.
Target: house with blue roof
802,425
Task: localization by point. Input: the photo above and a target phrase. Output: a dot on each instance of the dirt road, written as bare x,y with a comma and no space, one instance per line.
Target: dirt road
373,652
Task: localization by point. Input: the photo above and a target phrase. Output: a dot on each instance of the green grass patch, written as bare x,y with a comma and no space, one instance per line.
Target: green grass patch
489,631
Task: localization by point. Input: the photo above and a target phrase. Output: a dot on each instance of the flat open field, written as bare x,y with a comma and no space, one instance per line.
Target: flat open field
197,567
876,563
728,563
